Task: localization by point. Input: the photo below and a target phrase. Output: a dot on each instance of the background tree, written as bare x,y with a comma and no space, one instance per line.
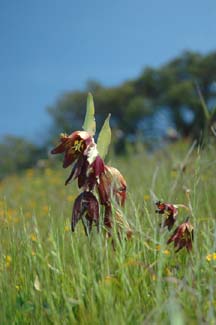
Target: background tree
172,86
18,154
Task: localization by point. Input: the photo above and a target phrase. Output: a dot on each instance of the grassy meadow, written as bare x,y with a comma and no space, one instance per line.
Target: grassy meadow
50,276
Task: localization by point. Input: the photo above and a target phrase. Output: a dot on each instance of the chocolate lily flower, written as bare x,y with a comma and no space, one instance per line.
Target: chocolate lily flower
182,236
112,185
87,173
85,206
170,211
73,146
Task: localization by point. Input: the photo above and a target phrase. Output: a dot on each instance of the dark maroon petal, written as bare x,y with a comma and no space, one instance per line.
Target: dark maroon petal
88,174
86,205
71,176
189,245
108,216
77,211
98,166
179,248
172,238
59,149
103,190
82,172
93,212
76,171
169,222
69,158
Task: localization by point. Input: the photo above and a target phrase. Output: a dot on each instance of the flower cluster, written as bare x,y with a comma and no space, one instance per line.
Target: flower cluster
211,257
92,174
183,234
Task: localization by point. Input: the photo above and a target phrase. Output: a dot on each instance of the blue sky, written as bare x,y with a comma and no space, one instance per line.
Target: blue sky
48,47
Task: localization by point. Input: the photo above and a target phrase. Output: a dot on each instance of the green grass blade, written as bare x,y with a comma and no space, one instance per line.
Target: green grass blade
205,108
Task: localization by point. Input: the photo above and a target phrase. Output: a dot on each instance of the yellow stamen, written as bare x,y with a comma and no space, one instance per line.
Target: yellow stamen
78,145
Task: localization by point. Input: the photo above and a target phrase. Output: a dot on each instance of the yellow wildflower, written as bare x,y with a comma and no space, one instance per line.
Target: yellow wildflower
132,261
110,280
8,260
66,228
168,272
209,257
33,237
146,197
174,173
158,247
166,252
45,208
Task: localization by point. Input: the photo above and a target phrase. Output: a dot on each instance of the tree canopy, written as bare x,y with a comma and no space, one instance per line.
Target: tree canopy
17,154
172,86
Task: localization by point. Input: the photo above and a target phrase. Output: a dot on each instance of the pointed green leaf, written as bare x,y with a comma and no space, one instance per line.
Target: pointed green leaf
89,122
104,138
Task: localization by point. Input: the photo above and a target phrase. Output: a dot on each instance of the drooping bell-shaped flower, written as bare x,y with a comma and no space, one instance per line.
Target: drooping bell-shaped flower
112,186
112,193
87,169
73,146
182,236
86,208
169,211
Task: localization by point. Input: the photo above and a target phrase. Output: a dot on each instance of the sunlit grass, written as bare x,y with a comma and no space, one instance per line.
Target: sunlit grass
48,275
